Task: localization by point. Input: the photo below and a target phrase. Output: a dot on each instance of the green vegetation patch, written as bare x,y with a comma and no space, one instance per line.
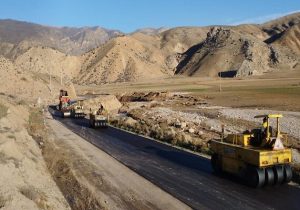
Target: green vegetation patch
289,90
3,111
36,121
195,90
280,90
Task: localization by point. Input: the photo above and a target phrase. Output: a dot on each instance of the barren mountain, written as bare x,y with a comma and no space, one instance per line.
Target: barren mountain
242,50
151,31
281,24
27,77
291,38
138,56
21,85
122,59
250,30
43,60
228,53
68,40
180,39
245,49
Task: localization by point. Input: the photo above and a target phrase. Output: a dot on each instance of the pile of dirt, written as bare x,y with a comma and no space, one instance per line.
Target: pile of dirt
109,102
140,96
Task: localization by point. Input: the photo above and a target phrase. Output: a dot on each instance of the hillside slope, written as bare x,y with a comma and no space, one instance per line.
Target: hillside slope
227,53
281,24
291,39
122,59
43,60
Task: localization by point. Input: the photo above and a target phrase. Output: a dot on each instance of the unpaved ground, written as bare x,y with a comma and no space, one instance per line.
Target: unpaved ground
179,114
25,182
290,123
91,179
278,91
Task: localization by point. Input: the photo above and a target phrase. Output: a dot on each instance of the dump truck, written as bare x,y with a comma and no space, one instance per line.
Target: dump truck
257,156
99,118
64,104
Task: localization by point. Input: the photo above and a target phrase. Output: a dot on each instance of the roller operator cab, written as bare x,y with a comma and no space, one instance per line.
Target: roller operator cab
257,156
77,109
99,118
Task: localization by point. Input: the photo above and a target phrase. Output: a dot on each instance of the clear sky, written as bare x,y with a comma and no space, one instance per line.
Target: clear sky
129,15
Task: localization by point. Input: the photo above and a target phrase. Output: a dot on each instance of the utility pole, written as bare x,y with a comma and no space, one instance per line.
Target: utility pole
50,85
61,76
33,78
220,85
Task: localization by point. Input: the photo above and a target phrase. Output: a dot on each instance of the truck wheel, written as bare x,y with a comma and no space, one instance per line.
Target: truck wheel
255,177
288,174
269,176
278,172
216,163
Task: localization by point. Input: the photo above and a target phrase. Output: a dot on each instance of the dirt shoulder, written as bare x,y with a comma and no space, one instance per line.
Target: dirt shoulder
25,182
107,184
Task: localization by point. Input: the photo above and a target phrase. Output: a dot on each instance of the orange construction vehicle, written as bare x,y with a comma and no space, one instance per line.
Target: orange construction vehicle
64,104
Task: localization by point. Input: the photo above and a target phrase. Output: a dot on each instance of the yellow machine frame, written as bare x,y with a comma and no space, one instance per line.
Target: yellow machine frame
236,154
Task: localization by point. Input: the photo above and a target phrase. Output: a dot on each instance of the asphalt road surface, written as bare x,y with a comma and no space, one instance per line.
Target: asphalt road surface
186,176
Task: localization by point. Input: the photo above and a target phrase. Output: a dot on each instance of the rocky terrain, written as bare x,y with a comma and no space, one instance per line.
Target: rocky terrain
190,121
228,53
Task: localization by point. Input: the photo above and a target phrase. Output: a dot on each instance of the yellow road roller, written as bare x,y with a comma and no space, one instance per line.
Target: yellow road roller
257,156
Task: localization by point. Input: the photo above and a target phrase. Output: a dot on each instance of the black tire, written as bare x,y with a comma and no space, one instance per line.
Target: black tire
216,163
288,174
278,174
270,179
255,177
